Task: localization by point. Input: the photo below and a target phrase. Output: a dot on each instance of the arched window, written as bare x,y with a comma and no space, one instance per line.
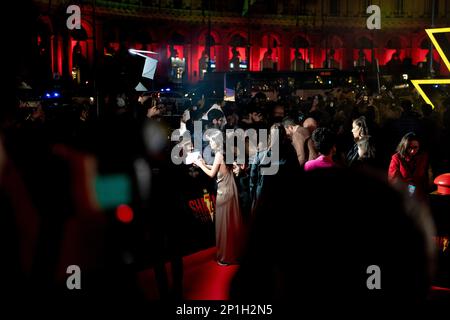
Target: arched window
331,54
299,53
363,46
237,53
269,52
394,45
207,54
79,62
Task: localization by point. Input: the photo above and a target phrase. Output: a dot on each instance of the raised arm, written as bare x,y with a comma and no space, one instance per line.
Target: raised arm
211,171
298,142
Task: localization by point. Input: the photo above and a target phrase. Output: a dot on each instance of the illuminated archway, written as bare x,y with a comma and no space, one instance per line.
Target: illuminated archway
271,44
302,44
81,52
331,47
208,48
177,41
394,44
237,53
366,45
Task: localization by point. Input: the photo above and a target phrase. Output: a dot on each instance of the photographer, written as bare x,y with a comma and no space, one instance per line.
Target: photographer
150,106
155,111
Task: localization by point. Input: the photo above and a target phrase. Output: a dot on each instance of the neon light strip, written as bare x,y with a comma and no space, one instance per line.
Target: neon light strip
430,33
417,84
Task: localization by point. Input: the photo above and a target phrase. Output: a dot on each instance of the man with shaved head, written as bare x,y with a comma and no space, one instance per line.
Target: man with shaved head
310,124
301,139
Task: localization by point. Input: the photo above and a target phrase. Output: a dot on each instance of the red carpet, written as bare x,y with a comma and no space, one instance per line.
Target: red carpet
203,279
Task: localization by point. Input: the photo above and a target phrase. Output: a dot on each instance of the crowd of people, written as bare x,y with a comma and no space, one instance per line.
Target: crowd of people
329,149
93,184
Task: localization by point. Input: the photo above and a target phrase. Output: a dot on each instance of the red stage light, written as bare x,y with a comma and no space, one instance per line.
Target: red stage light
124,213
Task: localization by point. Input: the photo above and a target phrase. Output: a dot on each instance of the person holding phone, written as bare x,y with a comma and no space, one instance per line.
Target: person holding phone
228,218
409,165
155,111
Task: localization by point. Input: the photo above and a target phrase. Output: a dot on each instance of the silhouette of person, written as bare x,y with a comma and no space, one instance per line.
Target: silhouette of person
330,62
267,61
203,64
298,64
362,60
394,67
424,66
78,62
163,236
235,60
177,66
383,234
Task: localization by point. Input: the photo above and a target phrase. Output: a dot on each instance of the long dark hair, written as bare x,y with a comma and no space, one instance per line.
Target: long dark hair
404,143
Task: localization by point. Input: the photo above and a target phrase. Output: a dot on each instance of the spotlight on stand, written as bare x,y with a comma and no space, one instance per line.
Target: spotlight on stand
149,66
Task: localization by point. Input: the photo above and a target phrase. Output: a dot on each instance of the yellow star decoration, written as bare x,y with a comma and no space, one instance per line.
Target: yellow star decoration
444,58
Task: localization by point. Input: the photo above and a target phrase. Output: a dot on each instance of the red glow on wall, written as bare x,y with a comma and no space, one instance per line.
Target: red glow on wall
338,56
115,46
262,51
270,41
422,55
303,51
276,53
179,49
367,53
282,48
59,58
83,46
196,63
387,55
241,51
202,49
